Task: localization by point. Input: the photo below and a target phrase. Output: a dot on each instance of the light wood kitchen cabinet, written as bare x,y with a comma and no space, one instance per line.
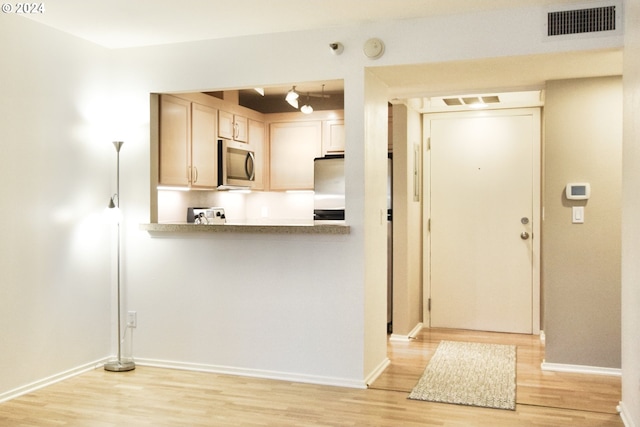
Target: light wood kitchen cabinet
333,137
188,141
293,146
204,143
256,138
232,126
175,138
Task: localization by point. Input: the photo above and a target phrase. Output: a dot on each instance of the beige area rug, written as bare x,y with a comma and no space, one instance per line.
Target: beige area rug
470,374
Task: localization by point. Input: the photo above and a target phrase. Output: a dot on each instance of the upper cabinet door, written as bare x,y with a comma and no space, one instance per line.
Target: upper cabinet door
240,128
293,147
204,141
233,127
175,134
333,137
225,125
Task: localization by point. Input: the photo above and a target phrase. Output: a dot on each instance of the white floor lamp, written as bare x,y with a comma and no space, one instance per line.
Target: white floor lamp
118,365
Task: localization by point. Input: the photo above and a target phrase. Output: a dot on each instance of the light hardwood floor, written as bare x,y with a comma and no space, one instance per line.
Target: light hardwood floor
165,397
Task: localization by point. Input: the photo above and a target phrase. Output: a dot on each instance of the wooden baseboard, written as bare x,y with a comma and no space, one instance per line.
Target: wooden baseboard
254,373
36,385
377,372
626,420
411,335
580,369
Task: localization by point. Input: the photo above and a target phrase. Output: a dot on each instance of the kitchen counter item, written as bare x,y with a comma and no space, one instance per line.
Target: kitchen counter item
206,215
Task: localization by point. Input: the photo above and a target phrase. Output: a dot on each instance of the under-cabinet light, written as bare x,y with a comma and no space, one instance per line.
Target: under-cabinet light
164,188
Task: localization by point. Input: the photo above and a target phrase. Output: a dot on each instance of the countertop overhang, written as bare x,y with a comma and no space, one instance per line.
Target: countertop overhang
248,228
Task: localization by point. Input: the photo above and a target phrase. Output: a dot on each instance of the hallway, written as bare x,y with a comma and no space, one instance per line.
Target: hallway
535,388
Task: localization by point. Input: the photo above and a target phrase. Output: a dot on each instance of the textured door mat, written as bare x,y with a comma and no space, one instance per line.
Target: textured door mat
473,374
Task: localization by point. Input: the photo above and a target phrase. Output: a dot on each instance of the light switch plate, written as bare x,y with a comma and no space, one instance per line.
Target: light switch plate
132,319
577,213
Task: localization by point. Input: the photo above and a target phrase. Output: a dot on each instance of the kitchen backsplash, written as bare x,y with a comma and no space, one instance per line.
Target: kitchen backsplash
243,208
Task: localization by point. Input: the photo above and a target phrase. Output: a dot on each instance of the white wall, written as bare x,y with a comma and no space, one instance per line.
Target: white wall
286,306
57,173
278,306
374,152
407,219
630,227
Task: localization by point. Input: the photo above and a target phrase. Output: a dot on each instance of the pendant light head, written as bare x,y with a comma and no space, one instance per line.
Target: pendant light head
292,97
307,108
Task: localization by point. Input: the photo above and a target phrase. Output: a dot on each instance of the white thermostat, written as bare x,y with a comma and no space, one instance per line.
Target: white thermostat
578,191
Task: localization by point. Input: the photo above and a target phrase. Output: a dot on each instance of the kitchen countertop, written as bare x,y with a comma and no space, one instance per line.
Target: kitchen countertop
307,228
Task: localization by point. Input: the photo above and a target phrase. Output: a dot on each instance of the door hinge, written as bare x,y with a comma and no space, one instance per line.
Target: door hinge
429,304
429,224
428,143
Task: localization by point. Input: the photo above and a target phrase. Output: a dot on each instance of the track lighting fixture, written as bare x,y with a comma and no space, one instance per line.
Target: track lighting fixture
307,108
292,97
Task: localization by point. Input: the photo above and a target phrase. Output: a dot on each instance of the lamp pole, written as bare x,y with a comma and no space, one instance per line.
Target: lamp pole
118,365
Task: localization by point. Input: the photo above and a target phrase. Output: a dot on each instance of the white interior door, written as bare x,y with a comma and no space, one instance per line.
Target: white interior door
484,178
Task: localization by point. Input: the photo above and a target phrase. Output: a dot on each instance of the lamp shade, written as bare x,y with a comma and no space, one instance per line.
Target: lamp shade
112,213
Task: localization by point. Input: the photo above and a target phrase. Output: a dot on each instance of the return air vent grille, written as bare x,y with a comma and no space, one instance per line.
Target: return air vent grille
581,21
473,100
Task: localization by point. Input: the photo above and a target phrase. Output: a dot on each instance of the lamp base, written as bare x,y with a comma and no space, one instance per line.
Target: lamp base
119,366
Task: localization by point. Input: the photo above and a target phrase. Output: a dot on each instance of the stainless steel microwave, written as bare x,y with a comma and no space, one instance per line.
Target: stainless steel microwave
236,165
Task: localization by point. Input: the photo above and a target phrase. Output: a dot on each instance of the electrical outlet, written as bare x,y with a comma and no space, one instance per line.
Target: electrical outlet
132,319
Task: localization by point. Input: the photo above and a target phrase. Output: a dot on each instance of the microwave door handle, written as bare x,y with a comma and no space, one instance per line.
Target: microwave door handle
249,163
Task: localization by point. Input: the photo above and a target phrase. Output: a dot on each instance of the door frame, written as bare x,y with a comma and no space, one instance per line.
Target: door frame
537,215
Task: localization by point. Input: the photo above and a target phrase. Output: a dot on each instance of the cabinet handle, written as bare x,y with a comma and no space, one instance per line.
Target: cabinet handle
236,130
195,169
249,166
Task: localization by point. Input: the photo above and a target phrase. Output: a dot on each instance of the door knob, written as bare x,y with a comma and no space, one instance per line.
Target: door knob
524,235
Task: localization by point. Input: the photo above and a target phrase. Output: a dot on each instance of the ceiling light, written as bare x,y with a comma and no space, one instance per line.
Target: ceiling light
292,97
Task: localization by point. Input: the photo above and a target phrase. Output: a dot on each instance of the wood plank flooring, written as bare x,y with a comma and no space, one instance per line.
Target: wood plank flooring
164,397
593,393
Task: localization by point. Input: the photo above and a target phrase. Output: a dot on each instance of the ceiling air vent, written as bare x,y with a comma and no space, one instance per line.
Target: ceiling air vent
581,21
472,100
